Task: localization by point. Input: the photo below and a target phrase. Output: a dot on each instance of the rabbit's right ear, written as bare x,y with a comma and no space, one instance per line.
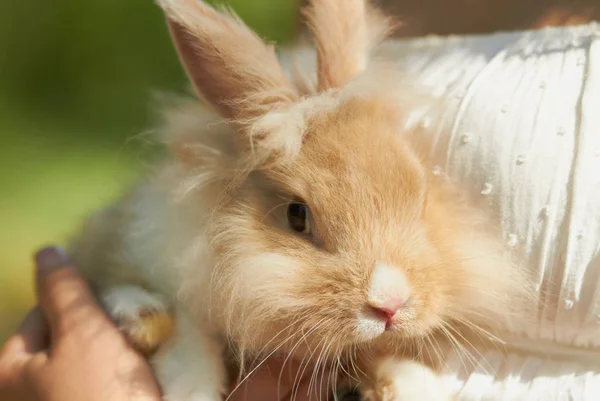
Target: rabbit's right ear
345,31
230,67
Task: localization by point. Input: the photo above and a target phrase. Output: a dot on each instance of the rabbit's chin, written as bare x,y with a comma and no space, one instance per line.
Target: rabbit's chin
315,339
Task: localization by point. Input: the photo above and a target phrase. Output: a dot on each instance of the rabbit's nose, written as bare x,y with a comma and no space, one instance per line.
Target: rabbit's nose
389,308
387,311
388,291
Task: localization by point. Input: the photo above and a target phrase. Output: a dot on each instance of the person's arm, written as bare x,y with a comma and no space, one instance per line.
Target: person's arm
460,17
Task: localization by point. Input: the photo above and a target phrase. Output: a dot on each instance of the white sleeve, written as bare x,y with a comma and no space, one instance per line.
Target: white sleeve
522,128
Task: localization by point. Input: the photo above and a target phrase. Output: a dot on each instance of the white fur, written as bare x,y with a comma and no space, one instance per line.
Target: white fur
412,381
369,326
284,129
125,302
389,287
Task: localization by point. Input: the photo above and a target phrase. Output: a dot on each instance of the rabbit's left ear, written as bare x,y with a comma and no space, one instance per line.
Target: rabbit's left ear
230,67
345,32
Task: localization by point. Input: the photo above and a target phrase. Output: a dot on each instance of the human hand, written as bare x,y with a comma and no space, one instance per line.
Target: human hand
68,349
280,379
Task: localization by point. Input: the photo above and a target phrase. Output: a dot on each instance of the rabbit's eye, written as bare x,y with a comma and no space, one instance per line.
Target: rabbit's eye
348,394
298,216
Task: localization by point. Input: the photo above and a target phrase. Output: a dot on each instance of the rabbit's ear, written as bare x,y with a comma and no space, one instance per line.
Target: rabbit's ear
345,32
230,67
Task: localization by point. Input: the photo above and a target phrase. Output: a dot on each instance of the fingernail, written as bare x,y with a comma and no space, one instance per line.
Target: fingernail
50,258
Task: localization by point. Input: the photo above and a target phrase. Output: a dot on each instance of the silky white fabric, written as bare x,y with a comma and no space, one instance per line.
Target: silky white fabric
522,127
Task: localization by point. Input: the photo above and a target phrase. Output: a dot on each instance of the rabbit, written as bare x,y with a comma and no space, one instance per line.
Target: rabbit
290,219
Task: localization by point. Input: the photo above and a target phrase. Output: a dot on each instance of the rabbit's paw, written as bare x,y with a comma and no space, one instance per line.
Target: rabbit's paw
405,380
143,317
190,365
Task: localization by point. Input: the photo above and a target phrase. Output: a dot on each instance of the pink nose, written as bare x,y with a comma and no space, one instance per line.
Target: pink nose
387,309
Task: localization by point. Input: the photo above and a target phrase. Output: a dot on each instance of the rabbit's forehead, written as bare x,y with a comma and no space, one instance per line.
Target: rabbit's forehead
360,146
352,154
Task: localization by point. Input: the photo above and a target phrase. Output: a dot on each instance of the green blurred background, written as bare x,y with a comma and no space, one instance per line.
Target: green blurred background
76,86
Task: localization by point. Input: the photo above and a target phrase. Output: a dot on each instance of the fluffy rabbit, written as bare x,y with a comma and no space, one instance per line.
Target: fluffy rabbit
293,222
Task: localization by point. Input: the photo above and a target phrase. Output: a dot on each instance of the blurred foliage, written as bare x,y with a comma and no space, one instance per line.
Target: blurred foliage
76,84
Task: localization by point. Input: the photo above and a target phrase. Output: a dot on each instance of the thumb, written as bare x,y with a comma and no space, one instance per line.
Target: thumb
64,296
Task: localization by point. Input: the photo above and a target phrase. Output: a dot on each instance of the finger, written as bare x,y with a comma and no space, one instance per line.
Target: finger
33,332
20,347
273,381
309,389
29,338
260,386
65,298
